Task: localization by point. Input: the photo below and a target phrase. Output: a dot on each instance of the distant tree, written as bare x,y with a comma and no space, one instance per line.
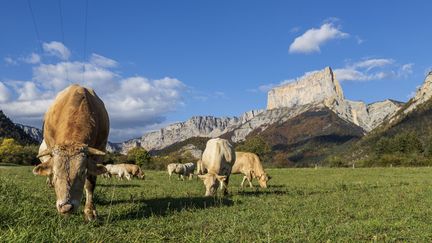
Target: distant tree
139,156
115,158
255,145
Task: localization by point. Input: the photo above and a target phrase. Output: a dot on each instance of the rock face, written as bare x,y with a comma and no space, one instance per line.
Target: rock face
422,95
197,126
318,87
323,88
33,132
193,150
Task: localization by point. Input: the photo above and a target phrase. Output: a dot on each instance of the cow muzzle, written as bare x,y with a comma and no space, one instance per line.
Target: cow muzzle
65,208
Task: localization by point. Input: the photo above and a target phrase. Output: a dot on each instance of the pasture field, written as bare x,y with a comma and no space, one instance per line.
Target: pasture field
375,204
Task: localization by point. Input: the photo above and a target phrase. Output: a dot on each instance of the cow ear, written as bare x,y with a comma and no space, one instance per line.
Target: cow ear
43,169
95,169
221,178
203,177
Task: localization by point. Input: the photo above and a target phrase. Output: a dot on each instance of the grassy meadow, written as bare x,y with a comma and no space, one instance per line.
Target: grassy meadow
382,204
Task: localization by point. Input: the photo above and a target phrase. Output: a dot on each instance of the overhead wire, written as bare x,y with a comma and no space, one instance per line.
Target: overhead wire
63,36
38,39
85,39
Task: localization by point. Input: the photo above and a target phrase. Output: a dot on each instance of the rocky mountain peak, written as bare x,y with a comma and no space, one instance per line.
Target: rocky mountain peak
322,87
316,87
423,94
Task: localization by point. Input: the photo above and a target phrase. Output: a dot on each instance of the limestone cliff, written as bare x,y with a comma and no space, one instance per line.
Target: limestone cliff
318,87
322,87
197,126
423,94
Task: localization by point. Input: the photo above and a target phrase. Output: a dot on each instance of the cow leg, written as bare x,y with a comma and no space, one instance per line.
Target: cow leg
242,183
89,208
225,189
249,178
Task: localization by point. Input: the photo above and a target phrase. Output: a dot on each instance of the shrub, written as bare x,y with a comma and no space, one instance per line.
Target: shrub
335,161
140,157
255,145
13,152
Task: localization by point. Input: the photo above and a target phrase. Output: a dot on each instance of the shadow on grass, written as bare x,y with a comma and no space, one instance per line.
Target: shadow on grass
165,206
275,186
258,192
118,185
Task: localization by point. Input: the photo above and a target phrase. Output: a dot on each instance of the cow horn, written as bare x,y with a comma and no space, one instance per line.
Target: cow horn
44,153
94,151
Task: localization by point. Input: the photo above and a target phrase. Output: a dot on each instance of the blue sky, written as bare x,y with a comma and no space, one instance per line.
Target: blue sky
155,62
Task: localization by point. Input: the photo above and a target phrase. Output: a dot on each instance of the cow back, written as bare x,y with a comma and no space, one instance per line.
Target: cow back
77,115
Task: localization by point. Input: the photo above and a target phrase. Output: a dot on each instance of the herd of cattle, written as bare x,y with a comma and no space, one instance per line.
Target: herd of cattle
76,128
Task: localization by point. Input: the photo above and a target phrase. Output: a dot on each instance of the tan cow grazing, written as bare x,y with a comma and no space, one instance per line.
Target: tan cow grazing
250,166
217,160
171,168
134,170
118,170
76,128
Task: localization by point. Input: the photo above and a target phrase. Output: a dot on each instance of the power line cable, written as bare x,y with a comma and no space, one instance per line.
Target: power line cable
63,37
85,39
35,26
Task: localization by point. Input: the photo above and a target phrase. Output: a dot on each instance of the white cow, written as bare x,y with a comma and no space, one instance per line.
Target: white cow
118,170
183,170
217,159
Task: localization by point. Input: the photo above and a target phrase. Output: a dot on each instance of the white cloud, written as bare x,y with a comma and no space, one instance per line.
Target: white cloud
10,61
373,69
313,38
101,61
57,49
369,64
28,91
133,103
4,93
33,58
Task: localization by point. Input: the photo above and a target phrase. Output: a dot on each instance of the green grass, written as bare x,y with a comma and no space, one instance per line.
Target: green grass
384,204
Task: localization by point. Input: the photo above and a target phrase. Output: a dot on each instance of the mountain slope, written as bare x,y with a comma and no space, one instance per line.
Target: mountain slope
307,138
410,126
33,132
9,130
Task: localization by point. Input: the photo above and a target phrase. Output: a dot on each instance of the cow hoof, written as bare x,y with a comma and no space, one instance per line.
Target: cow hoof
90,215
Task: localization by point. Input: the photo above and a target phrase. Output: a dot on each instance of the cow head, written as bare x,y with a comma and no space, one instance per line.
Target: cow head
69,166
212,182
141,175
262,180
